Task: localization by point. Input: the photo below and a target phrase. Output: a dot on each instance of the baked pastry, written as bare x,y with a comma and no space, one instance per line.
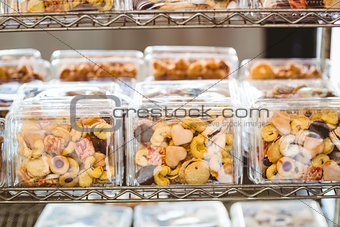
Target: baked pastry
186,69
97,71
265,71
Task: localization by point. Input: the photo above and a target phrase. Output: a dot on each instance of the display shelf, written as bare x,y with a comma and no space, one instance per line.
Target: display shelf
169,19
171,193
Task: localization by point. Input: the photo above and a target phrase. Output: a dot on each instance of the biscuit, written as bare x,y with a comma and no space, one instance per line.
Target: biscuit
197,173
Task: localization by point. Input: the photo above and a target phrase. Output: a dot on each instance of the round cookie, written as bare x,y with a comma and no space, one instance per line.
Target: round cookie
38,167
197,173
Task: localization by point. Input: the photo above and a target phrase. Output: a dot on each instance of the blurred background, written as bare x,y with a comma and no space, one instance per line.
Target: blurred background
249,43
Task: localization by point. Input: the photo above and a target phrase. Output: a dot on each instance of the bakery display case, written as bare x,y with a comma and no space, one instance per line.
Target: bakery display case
152,177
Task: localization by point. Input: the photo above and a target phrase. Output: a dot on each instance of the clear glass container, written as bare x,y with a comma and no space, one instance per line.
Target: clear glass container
62,54
284,68
17,54
318,4
24,70
55,90
254,90
182,5
281,89
37,6
295,141
56,143
290,213
182,91
190,62
183,144
184,214
86,69
89,215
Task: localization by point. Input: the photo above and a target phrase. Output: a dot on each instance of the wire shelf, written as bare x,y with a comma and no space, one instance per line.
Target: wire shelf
225,193
155,19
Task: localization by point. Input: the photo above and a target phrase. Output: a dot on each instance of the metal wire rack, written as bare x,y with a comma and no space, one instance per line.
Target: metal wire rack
155,19
225,193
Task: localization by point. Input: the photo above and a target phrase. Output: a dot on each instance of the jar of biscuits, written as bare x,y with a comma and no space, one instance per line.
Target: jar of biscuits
296,142
170,146
55,144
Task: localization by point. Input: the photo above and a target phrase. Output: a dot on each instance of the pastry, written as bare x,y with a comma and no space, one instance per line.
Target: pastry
265,71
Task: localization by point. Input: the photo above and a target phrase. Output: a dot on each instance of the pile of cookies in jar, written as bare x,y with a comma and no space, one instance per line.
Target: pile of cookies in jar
294,138
50,147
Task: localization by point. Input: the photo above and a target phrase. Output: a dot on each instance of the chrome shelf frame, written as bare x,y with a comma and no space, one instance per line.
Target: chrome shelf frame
125,194
157,19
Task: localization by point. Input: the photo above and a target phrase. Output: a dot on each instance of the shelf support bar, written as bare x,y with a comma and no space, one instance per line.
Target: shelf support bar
324,36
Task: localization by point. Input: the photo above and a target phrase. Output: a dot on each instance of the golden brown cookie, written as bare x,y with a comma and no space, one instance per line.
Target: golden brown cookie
262,71
329,146
271,171
273,152
269,133
197,147
197,173
68,180
38,167
320,160
299,123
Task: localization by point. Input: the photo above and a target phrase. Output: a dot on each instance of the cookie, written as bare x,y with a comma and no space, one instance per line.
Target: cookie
143,132
286,167
320,128
320,160
331,171
269,133
281,121
334,135
329,146
273,152
262,71
197,173
145,175
38,167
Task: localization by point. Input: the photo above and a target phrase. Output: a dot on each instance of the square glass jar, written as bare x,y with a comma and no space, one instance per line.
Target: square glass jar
56,144
297,213
190,62
294,141
284,68
176,144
